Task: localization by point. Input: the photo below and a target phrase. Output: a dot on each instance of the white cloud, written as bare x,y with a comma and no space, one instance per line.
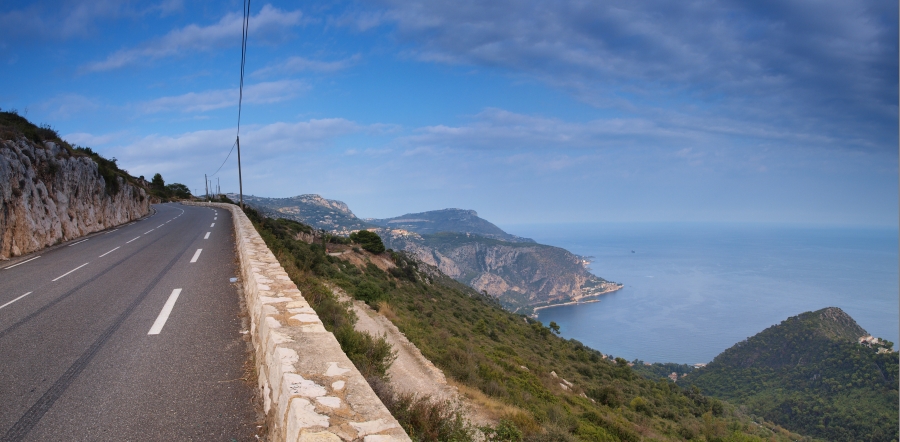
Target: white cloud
827,68
260,93
205,150
67,105
195,38
298,64
91,140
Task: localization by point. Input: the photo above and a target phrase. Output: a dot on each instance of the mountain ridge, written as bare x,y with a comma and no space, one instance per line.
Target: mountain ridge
519,272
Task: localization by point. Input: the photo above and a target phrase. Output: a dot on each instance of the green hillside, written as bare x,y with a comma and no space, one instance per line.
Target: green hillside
546,388
811,375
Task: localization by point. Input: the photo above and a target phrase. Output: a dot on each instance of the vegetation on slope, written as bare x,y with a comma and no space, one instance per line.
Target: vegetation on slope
13,126
811,375
552,389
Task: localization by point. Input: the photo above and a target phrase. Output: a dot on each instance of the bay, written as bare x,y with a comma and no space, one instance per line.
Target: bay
692,290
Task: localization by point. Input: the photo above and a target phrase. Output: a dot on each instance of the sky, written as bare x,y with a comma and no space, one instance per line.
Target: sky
525,111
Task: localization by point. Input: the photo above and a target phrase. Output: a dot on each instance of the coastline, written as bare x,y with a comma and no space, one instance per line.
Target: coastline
587,299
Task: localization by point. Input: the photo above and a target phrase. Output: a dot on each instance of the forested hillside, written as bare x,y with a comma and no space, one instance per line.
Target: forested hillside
811,374
546,388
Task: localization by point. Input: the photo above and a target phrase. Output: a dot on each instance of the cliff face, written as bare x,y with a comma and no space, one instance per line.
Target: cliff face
520,275
49,195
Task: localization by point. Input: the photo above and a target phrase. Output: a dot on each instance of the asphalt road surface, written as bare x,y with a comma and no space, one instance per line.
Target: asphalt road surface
132,333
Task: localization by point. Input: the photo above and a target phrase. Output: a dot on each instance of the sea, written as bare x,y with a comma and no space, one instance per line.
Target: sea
693,290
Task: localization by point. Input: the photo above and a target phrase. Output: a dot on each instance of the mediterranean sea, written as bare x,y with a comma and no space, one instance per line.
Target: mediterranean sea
694,290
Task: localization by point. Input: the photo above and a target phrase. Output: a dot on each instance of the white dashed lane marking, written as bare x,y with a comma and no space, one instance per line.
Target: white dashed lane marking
207,235
70,271
164,314
126,242
196,255
14,300
107,253
212,225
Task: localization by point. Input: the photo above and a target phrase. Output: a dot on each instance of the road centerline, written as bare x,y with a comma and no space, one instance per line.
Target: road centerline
14,300
196,255
107,253
207,235
126,242
70,271
212,225
164,313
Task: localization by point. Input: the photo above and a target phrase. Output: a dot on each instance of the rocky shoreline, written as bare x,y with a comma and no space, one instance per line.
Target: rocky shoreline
607,288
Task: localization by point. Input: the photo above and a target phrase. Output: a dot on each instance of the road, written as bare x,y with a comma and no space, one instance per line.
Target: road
129,334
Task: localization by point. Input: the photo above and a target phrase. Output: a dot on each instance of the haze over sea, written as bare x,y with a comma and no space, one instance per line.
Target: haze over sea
693,290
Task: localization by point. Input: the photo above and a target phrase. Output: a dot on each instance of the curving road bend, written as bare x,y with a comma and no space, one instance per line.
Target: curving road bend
132,333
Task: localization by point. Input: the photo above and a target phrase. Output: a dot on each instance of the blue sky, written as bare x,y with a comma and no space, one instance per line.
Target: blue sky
526,111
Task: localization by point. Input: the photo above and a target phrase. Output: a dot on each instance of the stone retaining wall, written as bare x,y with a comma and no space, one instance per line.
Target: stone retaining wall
311,390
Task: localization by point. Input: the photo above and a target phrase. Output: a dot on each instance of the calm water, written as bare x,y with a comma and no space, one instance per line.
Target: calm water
693,290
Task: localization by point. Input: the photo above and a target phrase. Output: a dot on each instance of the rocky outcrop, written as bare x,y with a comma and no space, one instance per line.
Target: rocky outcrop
521,275
50,195
519,272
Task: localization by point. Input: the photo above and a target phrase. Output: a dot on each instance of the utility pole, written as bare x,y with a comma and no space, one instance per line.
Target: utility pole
206,183
240,181
218,187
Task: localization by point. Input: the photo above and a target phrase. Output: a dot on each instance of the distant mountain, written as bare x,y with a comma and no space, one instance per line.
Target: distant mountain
447,220
814,375
331,215
517,271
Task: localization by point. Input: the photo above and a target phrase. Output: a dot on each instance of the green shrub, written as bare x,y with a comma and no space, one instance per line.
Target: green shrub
369,241
369,292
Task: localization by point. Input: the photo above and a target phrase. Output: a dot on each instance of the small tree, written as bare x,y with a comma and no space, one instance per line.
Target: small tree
178,190
554,326
158,182
369,241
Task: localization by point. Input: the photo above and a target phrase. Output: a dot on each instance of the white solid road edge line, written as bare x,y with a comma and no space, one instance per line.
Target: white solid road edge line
75,243
23,262
70,271
107,253
207,235
14,300
164,314
196,255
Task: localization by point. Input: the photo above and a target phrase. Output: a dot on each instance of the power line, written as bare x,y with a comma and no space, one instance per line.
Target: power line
237,140
226,160
243,61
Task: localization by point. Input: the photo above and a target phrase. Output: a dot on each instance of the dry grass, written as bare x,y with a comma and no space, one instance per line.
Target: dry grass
487,410
385,310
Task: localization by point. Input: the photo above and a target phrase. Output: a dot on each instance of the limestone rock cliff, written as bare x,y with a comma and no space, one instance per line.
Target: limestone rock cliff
50,194
519,272
521,275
